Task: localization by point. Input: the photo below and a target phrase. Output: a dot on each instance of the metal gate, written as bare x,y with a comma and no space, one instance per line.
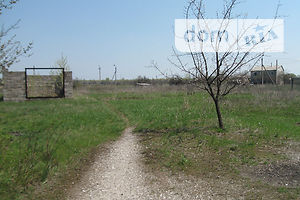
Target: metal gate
40,84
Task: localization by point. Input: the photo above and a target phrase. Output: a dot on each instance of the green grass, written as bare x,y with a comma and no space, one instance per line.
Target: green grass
1,95
274,117
176,111
181,132
40,139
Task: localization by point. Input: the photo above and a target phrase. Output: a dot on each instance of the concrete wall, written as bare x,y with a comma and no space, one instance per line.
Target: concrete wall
42,86
68,85
38,85
14,86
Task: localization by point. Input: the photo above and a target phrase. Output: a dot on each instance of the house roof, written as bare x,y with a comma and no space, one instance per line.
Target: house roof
267,68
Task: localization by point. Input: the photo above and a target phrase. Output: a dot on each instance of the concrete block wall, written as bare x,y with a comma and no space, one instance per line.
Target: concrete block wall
14,86
38,85
68,84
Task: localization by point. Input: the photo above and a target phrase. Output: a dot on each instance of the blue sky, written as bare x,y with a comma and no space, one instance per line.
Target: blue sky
127,33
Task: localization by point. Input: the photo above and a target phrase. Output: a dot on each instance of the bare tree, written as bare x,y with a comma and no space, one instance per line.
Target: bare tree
10,49
215,72
63,63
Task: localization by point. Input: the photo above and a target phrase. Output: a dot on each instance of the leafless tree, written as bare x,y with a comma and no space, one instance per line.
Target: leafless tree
63,63
10,49
215,72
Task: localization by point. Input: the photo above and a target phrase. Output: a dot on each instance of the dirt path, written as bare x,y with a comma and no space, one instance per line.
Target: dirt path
116,175
120,174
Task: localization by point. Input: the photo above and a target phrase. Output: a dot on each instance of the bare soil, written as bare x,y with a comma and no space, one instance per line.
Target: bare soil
120,173
281,173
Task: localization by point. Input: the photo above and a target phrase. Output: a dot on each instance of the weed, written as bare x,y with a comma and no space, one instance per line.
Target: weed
52,136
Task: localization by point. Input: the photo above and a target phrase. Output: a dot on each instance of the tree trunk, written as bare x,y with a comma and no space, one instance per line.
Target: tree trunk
221,125
2,69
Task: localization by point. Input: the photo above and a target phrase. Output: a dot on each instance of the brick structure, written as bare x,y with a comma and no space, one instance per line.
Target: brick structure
14,85
68,85
267,75
42,85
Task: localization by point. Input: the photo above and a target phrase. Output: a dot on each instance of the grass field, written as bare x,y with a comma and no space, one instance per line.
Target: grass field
40,139
180,133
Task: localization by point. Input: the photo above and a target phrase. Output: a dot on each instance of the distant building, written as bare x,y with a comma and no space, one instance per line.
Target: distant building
143,84
267,75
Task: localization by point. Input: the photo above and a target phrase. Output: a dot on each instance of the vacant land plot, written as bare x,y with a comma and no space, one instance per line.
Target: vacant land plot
47,141
258,152
257,156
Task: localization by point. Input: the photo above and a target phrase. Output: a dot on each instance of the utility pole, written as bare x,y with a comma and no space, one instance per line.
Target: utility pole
99,72
115,74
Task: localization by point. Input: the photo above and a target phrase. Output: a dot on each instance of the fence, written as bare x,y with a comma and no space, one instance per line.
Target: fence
16,87
295,83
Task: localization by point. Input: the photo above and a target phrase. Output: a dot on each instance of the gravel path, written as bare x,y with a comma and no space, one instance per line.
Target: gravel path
116,175
120,174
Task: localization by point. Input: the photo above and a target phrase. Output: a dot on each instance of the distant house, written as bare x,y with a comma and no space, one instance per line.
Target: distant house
267,75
